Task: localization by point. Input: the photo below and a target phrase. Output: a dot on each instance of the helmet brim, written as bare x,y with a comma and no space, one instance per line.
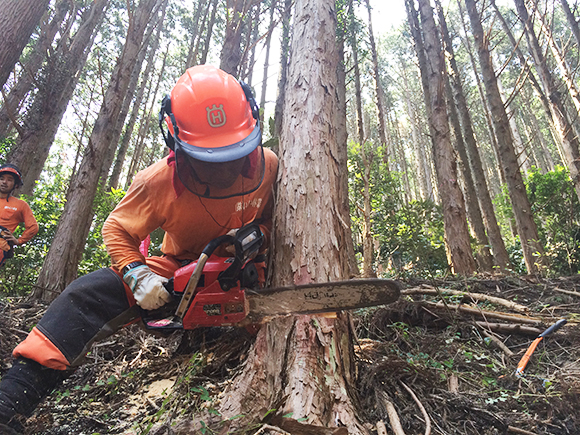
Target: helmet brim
226,153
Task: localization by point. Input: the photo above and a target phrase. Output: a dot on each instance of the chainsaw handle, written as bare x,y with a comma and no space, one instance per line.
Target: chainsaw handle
212,246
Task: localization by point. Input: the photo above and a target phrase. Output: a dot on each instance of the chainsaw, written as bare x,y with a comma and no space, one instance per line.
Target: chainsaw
225,291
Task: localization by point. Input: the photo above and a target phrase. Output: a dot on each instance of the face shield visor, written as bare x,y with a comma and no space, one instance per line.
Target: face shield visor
220,179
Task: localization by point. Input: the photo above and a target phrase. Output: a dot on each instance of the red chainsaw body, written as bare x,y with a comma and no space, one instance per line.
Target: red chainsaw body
211,306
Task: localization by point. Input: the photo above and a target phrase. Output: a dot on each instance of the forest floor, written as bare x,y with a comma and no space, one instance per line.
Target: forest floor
429,357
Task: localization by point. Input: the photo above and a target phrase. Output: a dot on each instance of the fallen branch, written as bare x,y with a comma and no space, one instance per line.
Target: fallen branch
393,417
520,431
381,428
567,292
477,297
504,328
497,342
421,407
515,318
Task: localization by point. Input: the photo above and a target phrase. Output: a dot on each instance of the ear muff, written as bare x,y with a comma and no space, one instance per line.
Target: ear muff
166,111
250,97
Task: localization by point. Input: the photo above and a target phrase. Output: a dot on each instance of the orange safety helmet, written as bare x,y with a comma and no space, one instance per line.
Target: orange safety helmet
14,171
211,116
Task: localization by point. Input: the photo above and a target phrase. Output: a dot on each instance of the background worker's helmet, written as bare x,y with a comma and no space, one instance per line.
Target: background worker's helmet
14,171
212,117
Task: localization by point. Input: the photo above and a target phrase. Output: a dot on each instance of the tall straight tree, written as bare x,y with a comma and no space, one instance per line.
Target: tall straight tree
525,224
60,265
309,241
379,92
18,20
500,253
452,202
56,85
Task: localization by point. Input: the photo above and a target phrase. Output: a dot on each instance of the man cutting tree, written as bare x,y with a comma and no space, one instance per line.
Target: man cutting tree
216,179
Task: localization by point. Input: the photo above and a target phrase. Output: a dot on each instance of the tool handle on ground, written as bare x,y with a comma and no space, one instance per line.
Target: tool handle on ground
553,328
526,358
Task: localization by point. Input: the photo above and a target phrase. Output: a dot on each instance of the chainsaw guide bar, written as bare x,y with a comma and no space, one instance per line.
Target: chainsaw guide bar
321,297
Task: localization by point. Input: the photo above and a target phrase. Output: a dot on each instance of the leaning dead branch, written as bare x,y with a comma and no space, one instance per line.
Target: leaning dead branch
476,297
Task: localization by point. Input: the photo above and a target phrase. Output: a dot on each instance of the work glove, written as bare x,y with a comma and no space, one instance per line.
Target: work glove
147,287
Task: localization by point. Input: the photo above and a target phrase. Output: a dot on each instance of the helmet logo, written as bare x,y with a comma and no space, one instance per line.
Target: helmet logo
216,116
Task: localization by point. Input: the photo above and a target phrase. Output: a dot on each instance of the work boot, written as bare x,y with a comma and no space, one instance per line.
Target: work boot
22,388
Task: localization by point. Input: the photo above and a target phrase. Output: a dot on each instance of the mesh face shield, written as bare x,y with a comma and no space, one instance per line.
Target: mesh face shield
220,180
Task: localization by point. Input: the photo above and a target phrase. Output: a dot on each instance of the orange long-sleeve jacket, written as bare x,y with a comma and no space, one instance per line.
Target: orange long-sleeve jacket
188,220
14,211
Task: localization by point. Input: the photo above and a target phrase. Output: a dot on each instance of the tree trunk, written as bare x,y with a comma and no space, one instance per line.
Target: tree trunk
452,202
532,249
60,265
18,20
231,54
56,85
378,87
562,123
343,210
413,20
367,157
475,218
195,35
284,54
572,22
423,173
208,34
267,60
157,24
18,92
303,365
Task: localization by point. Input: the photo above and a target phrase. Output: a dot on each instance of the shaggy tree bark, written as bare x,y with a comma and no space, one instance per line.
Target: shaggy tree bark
303,365
432,70
18,20
60,265
526,226
56,85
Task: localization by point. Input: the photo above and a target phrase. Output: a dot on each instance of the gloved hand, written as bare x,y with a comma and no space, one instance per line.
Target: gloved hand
147,287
